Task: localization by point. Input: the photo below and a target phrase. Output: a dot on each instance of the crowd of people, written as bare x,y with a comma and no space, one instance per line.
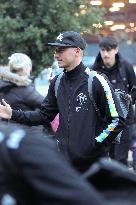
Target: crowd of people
89,126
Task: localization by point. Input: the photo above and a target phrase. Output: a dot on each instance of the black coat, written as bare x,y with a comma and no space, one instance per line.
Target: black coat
114,73
20,93
79,125
125,83
32,172
24,96
21,97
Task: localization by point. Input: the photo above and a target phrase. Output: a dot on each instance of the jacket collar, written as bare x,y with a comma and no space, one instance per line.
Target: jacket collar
99,65
76,71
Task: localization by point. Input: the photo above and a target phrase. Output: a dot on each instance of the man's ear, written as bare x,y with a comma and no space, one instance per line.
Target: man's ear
116,50
78,51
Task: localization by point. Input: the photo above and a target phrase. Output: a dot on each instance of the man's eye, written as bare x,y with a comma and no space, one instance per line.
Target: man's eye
60,50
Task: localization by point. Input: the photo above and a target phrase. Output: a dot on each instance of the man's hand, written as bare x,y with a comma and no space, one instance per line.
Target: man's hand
5,110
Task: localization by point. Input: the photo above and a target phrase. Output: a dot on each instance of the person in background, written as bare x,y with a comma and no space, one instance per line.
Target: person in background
33,172
16,86
81,137
121,75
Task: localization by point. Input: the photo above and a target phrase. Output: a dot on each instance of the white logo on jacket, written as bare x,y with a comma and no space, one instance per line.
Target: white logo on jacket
81,100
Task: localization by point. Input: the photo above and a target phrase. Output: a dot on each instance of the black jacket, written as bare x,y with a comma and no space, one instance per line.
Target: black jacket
79,125
114,73
33,173
125,82
19,92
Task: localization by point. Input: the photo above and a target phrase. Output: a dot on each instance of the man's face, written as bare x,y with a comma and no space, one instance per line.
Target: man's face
108,56
66,57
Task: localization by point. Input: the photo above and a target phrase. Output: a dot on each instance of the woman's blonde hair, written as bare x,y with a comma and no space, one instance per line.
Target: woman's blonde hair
18,61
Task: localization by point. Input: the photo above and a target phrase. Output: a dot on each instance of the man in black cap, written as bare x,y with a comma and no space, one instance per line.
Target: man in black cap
122,76
81,135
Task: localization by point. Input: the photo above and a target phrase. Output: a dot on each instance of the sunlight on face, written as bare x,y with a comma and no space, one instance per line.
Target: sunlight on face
66,57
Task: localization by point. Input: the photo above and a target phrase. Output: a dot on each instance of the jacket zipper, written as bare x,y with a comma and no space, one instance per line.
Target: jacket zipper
69,108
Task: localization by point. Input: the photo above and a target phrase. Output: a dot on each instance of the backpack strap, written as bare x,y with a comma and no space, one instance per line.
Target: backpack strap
91,75
57,82
123,74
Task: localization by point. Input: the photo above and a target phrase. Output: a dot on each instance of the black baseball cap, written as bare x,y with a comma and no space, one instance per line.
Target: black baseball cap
108,43
69,39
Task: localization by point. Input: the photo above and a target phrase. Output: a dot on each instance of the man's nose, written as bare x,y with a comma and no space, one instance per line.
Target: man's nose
55,54
105,53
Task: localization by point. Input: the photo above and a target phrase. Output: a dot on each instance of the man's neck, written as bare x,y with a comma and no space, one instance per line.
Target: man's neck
109,66
73,66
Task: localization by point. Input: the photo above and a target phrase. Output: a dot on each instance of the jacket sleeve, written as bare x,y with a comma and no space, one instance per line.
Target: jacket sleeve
51,177
109,108
42,116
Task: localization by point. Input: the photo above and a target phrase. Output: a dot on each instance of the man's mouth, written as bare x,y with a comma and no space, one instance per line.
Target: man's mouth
106,58
59,61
